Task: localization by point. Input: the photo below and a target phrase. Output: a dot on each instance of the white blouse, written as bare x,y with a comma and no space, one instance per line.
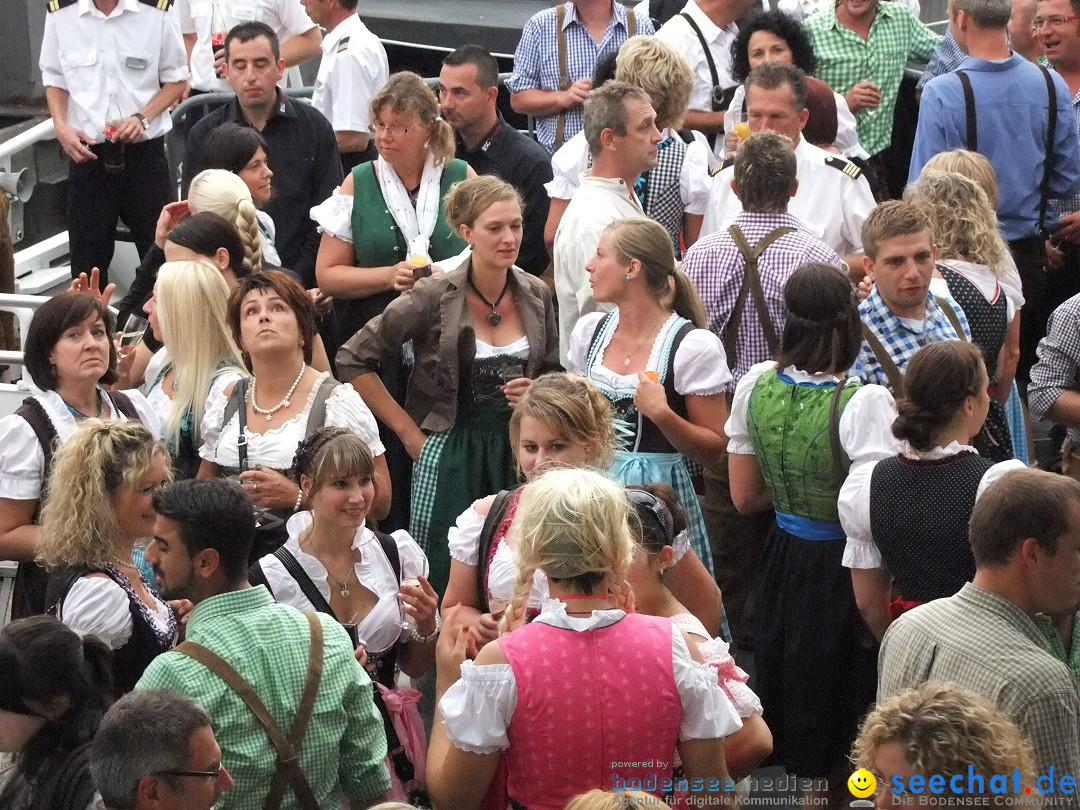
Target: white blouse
990,285
519,348
701,367
97,606
572,158
270,254
21,460
161,402
478,708
276,447
865,423
381,628
861,551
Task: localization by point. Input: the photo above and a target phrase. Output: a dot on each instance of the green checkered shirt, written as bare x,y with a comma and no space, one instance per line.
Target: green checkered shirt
1070,656
267,643
845,59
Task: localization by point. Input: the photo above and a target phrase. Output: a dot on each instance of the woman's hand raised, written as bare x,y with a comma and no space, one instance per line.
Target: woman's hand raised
269,489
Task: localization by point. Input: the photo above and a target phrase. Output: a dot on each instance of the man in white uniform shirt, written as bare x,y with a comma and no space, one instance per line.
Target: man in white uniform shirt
352,70
712,23
299,36
620,128
833,198
111,70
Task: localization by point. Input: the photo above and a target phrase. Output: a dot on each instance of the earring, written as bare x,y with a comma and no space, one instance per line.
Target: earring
627,276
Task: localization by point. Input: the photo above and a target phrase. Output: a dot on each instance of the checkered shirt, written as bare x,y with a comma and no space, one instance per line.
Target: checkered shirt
717,269
1069,204
899,339
845,59
536,61
984,642
947,58
267,643
1058,369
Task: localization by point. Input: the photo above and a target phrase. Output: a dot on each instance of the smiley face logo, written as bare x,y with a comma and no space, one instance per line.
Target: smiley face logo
861,783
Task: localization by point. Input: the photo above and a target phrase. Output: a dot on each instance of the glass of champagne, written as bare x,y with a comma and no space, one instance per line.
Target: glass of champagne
133,331
408,623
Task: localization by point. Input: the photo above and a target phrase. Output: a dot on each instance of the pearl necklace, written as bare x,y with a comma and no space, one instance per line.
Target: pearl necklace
269,412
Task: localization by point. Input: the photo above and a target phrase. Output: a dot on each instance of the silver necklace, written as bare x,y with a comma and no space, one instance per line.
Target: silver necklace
269,412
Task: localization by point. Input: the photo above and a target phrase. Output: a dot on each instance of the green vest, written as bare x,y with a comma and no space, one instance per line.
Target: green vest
789,428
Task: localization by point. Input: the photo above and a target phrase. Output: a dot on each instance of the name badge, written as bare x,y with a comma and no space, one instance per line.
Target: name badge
136,63
245,14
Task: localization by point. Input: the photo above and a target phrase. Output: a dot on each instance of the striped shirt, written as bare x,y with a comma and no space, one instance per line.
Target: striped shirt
536,61
984,642
845,59
343,750
717,269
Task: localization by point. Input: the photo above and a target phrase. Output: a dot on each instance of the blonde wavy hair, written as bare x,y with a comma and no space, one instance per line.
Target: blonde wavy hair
607,800
662,72
970,164
192,308
406,92
572,408
99,460
573,525
943,728
964,222
223,193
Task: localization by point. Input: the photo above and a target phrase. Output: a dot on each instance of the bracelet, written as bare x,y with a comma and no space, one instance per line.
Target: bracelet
419,639
299,498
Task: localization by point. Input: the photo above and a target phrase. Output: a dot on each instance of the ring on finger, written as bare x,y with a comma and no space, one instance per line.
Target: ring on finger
254,486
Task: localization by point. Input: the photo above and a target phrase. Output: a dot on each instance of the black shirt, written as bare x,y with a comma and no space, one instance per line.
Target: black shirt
524,164
307,168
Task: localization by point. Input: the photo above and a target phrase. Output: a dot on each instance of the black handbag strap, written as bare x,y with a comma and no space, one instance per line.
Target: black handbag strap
487,540
1051,137
704,46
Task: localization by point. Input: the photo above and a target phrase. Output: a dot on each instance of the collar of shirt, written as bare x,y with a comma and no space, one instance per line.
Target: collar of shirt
752,222
226,604
343,29
618,16
995,603
285,108
553,613
613,185
885,10
88,7
885,321
953,448
491,144
990,66
710,30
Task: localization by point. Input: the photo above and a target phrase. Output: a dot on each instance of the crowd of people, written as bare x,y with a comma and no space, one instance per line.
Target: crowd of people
459,469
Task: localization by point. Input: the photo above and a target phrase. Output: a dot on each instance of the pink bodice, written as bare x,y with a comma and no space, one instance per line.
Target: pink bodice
593,707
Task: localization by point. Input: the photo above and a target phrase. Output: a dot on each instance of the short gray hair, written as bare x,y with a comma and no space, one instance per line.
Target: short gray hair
986,13
145,732
605,108
765,173
773,75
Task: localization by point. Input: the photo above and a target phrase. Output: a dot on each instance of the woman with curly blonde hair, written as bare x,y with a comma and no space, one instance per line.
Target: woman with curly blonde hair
108,473
939,728
972,257
634,684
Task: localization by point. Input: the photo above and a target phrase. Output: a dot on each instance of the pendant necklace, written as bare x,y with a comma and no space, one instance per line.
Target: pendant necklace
494,318
269,412
343,587
626,360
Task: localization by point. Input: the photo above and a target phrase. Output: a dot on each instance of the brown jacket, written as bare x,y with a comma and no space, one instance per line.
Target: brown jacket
434,314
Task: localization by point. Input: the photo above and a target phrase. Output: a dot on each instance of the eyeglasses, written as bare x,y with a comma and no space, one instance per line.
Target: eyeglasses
214,774
396,130
1054,22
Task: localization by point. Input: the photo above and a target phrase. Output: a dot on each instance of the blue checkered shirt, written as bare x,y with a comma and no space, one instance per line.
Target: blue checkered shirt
947,58
899,339
717,269
536,60
1069,204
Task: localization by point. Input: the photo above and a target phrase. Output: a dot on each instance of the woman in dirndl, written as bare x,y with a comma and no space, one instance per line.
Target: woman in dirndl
664,374
479,335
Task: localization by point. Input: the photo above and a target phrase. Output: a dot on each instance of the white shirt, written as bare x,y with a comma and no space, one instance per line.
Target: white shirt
861,551
286,17
597,203
21,458
276,447
352,70
831,204
99,607
382,627
162,402
127,55
478,708
847,136
677,33
571,161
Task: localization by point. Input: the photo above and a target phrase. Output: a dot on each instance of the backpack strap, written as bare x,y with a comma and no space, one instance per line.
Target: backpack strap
309,589
954,319
288,748
888,365
1051,137
751,283
564,72
122,402
390,549
317,414
969,106
487,541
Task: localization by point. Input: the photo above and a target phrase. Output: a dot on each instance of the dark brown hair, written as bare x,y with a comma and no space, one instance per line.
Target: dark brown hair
937,380
822,331
53,318
294,296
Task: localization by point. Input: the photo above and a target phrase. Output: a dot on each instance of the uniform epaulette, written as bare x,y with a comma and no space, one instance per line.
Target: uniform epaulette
723,164
343,45
846,166
56,5
160,5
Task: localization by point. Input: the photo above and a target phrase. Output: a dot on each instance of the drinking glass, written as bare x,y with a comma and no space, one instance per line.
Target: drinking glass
133,331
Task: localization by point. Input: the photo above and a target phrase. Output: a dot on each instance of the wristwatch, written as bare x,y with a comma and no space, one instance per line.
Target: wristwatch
142,120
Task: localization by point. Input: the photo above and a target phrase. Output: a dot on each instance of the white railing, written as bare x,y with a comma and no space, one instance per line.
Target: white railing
43,131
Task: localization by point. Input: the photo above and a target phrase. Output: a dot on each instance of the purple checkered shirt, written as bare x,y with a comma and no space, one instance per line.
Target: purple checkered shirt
717,269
